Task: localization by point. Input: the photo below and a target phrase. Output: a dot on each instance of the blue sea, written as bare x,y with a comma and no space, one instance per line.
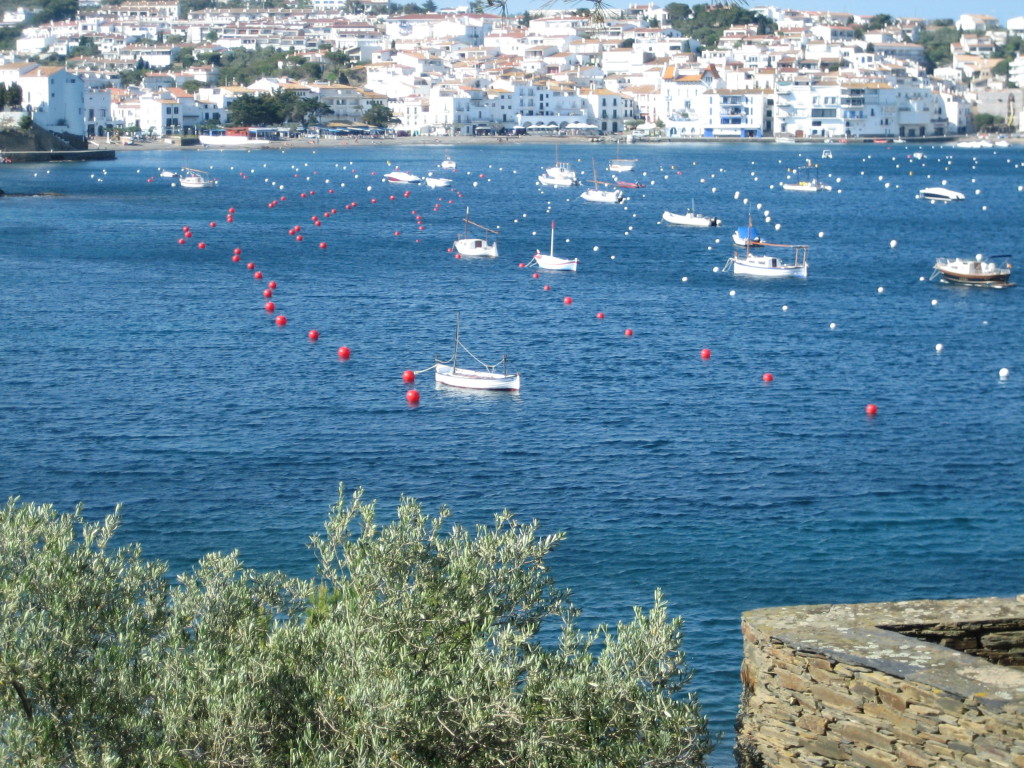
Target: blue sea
146,372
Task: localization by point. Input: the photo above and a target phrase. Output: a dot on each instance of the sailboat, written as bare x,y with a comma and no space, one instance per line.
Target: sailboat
475,246
620,165
559,174
551,262
487,377
598,195
762,262
191,178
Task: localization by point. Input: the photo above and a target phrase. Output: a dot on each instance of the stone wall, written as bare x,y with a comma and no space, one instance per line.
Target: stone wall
838,685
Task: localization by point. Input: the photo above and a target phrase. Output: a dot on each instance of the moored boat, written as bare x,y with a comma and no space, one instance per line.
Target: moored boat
940,195
475,246
603,191
437,181
551,262
190,178
232,137
746,237
487,377
401,177
976,271
806,180
764,262
690,219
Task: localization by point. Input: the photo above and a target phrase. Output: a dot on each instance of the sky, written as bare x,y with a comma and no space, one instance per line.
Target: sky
926,9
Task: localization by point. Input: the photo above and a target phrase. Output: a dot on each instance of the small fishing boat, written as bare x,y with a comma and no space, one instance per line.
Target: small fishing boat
551,262
190,178
602,194
806,180
690,219
621,165
448,164
763,263
940,195
437,181
475,246
487,377
976,271
559,174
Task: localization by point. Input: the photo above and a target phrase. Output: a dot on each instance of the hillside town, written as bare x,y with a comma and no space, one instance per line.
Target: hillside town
458,71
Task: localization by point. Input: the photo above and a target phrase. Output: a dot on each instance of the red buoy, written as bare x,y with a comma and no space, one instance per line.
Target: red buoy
344,353
281,320
181,241
871,409
767,377
600,315
313,335
567,300
238,251
231,210
267,293
298,238
202,245
323,246
408,377
257,275
412,397
547,287
705,354
629,332
213,223
272,285
250,265
269,306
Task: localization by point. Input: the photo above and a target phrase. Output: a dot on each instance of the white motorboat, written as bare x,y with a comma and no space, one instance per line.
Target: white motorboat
940,195
437,181
165,174
475,246
401,177
487,377
805,180
764,263
190,178
448,164
690,219
559,174
551,262
976,271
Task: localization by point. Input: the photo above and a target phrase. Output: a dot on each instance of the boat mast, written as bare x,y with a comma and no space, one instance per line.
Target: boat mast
455,356
552,251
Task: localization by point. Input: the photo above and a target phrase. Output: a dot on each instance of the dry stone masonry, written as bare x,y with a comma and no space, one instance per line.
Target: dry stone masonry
918,684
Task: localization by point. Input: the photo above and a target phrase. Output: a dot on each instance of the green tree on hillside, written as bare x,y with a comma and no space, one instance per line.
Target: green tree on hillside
379,115
417,644
936,40
706,23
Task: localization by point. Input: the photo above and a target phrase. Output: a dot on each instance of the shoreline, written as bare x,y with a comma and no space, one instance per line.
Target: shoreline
508,140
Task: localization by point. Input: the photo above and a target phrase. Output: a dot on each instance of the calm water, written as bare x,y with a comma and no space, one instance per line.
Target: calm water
144,372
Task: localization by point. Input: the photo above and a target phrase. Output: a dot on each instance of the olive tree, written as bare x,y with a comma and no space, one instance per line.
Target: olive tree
418,643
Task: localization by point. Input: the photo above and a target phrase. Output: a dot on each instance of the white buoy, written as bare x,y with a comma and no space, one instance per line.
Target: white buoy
938,348
684,279
785,307
596,248
1004,373
821,234
732,293
934,302
881,289
831,326
892,243
714,269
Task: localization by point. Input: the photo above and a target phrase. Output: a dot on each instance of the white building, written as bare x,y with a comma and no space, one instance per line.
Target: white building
54,97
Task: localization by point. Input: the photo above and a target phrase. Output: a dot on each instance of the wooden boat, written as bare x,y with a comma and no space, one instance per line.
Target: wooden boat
190,178
690,219
630,184
475,246
976,271
940,195
551,262
765,263
602,194
487,377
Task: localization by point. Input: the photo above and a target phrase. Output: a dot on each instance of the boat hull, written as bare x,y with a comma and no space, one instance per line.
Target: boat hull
972,272
475,246
621,166
602,196
557,181
435,182
471,379
767,267
401,177
554,263
232,141
806,186
940,195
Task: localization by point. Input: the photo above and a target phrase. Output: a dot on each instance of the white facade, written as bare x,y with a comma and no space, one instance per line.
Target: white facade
54,97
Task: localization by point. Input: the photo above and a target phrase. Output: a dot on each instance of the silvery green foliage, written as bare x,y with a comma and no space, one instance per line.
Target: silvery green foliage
416,645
